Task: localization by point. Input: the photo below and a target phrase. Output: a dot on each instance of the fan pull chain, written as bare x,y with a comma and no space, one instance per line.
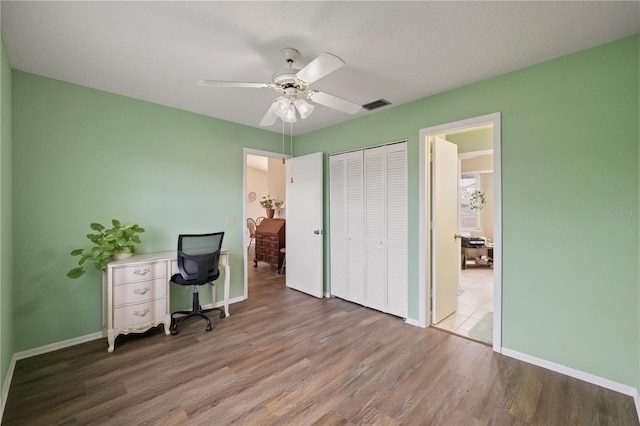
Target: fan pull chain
291,133
282,141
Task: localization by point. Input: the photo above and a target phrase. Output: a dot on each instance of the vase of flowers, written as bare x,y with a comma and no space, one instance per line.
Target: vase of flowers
270,205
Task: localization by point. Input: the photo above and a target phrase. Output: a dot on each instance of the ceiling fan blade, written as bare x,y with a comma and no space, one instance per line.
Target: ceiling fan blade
320,67
216,83
269,118
335,102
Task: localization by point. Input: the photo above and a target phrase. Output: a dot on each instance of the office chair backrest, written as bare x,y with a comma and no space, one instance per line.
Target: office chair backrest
198,256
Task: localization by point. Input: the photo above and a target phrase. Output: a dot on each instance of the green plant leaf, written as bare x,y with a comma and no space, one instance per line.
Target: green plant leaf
96,227
76,272
119,238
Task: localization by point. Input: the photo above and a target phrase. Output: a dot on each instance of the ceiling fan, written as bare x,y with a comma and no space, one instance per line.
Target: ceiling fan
294,86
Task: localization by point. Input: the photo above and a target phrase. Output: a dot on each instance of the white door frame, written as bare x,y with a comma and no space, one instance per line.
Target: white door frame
424,207
245,238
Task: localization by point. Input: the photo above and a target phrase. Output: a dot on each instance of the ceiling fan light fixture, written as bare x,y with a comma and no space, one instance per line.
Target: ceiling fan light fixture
304,108
283,107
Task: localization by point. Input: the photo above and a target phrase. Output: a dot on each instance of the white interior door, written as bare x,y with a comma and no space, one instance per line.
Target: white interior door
444,241
304,233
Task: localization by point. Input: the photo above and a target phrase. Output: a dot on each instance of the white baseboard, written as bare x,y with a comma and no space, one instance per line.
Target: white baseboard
577,374
6,385
58,345
220,304
88,338
413,322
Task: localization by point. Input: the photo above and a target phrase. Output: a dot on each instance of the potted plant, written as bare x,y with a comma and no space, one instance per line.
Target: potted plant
109,243
270,204
476,200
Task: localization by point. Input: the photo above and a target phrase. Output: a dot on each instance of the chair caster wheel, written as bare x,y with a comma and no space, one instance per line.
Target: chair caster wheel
209,328
222,315
174,331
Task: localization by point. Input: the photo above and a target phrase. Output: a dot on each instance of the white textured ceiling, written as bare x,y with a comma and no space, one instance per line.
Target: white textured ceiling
400,51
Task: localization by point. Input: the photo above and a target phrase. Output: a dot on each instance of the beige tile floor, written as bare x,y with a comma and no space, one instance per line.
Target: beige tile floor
474,300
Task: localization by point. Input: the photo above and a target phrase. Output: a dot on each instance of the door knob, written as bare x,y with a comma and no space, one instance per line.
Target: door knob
457,236
318,231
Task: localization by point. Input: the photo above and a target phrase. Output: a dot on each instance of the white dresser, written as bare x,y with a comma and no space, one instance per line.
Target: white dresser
136,293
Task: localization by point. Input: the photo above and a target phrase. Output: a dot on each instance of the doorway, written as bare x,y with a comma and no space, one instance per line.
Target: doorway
264,176
480,276
473,316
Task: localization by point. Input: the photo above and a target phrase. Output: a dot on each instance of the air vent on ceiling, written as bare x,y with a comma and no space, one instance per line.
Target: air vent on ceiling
376,104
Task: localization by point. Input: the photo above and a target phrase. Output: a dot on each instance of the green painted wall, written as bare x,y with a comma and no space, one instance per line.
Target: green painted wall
570,190
6,258
82,156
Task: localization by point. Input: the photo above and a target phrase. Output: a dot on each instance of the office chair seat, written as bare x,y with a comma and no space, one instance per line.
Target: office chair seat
198,256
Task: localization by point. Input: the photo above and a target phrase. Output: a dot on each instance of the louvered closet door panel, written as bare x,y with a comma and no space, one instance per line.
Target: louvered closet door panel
355,227
338,222
375,228
397,222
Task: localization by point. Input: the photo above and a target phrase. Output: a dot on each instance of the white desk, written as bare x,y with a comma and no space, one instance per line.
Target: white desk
136,293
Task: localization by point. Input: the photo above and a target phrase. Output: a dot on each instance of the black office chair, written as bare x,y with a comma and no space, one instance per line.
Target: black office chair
198,256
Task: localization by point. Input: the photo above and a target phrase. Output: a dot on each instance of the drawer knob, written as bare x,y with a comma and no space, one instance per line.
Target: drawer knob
142,272
141,314
141,290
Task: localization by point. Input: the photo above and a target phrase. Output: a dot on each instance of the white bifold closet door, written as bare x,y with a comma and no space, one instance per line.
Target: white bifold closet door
368,218
338,225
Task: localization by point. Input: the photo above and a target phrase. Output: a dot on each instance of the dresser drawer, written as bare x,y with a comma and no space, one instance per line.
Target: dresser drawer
273,245
131,315
140,272
142,291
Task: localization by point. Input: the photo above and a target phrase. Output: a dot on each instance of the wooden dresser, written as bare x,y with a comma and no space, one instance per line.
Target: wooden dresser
270,236
137,294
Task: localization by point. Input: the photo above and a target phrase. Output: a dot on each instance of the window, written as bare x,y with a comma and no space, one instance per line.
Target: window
470,195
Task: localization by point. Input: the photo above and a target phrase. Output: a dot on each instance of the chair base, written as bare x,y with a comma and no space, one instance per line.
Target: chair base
196,311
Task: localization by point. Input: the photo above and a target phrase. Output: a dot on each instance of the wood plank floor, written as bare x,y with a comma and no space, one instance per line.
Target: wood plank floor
284,358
